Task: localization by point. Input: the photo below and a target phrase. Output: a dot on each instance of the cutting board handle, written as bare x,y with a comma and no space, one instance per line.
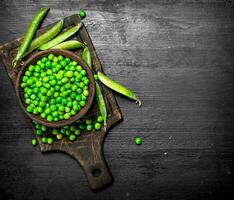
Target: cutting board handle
96,171
92,161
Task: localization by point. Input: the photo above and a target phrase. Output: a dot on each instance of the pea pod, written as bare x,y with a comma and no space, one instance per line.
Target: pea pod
30,34
101,102
47,36
118,88
69,45
86,56
61,37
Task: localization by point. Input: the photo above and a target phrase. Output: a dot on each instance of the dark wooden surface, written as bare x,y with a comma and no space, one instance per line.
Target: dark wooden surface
179,57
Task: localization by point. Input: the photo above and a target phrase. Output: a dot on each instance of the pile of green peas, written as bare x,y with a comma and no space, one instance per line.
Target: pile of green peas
71,132
55,88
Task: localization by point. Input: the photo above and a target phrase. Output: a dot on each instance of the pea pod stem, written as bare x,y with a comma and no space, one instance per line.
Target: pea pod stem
45,37
30,34
118,87
61,37
69,45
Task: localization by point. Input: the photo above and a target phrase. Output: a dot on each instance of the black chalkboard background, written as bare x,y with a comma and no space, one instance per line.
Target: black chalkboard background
179,58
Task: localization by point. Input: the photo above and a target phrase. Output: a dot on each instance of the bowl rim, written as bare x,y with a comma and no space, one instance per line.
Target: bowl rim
34,58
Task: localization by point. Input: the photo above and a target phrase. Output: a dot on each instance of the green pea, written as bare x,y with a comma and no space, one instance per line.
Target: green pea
78,98
73,112
39,132
49,118
86,93
78,77
59,136
29,109
44,140
82,14
82,103
69,74
100,119
138,140
34,142
77,132
43,115
81,84
61,108
51,56
27,101
97,126
31,68
43,128
89,127
72,137
82,126
88,121
76,108
72,128
83,72
35,111
37,126
67,110
50,140
67,116
44,59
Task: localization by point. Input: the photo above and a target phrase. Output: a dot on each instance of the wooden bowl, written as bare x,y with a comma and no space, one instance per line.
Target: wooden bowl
81,112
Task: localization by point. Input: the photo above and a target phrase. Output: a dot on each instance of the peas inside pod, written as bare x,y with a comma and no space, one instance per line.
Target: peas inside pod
70,132
55,87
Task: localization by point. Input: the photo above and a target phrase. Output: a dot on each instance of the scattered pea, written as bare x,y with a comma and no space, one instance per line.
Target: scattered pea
138,140
82,13
34,142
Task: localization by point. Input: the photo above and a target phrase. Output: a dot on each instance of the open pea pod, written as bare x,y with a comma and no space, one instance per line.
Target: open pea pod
86,56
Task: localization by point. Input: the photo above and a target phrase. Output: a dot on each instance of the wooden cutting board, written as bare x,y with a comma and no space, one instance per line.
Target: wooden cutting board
87,149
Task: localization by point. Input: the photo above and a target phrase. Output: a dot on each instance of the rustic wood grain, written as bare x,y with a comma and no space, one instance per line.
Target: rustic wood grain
178,56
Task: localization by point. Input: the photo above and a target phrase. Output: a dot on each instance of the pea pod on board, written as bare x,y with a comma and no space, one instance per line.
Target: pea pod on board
118,88
61,37
45,37
101,102
69,45
86,56
30,34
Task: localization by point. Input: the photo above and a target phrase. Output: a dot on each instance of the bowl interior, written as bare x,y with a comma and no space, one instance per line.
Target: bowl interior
81,112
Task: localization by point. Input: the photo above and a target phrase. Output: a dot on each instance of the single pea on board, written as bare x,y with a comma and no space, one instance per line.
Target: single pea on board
138,140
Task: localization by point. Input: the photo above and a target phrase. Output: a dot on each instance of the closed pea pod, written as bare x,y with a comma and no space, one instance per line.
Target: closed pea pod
30,34
47,36
86,56
69,45
118,88
61,37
